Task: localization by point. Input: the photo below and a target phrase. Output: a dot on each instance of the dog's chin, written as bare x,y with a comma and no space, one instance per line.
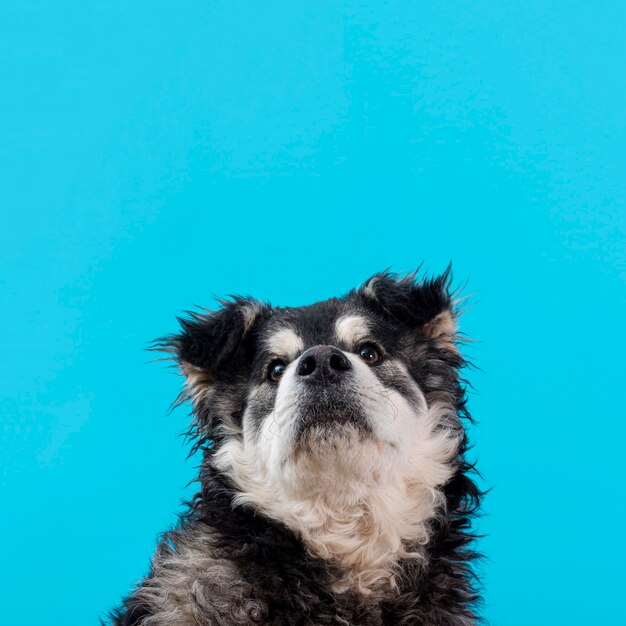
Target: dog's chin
335,460
328,414
332,428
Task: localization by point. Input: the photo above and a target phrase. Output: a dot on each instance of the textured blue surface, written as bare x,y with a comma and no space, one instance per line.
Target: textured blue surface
153,154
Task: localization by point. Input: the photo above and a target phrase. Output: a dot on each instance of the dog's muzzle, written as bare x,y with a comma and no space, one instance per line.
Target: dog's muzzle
327,396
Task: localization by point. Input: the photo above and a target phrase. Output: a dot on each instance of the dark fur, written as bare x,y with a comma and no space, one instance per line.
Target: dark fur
289,586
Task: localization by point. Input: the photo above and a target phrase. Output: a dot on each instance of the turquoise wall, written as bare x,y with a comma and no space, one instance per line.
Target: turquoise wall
155,154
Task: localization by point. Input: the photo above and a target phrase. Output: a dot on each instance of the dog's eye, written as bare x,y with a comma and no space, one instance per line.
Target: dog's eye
370,354
275,370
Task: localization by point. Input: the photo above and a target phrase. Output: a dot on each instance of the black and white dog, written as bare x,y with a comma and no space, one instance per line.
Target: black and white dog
334,488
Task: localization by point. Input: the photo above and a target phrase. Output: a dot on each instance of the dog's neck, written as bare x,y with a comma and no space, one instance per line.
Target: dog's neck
367,535
363,526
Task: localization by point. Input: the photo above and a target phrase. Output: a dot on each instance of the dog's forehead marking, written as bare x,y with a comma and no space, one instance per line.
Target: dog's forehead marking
285,342
351,328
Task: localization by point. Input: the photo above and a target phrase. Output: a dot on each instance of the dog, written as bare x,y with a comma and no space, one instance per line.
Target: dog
334,485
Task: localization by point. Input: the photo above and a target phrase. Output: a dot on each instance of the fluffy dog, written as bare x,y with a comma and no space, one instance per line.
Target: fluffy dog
334,486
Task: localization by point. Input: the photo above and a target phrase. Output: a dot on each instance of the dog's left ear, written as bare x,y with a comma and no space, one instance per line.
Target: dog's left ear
211,345
425,304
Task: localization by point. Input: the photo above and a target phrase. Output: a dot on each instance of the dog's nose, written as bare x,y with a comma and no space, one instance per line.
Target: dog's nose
323,364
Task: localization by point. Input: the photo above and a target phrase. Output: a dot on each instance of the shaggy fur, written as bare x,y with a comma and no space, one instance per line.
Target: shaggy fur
334,485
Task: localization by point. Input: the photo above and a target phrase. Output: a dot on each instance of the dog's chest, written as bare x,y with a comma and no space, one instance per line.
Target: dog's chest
296,591
309,608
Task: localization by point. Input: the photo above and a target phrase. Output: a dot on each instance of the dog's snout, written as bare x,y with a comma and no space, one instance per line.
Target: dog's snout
323,364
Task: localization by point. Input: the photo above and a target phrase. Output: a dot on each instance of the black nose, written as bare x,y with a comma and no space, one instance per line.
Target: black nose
323,364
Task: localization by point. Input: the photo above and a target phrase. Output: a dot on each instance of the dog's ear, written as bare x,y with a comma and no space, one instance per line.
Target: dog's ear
211,345
424,305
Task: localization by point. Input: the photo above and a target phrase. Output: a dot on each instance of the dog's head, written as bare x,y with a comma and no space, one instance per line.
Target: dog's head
345,400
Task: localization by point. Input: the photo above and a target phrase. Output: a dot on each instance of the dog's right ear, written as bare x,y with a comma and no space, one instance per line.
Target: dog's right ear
211,345
425,305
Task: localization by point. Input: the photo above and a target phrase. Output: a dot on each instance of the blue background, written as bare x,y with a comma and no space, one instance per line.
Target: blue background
155,154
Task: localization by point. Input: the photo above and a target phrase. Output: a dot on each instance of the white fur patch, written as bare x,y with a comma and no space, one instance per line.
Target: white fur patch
443,330
285,343
198,383
250,312
368,289
350,329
